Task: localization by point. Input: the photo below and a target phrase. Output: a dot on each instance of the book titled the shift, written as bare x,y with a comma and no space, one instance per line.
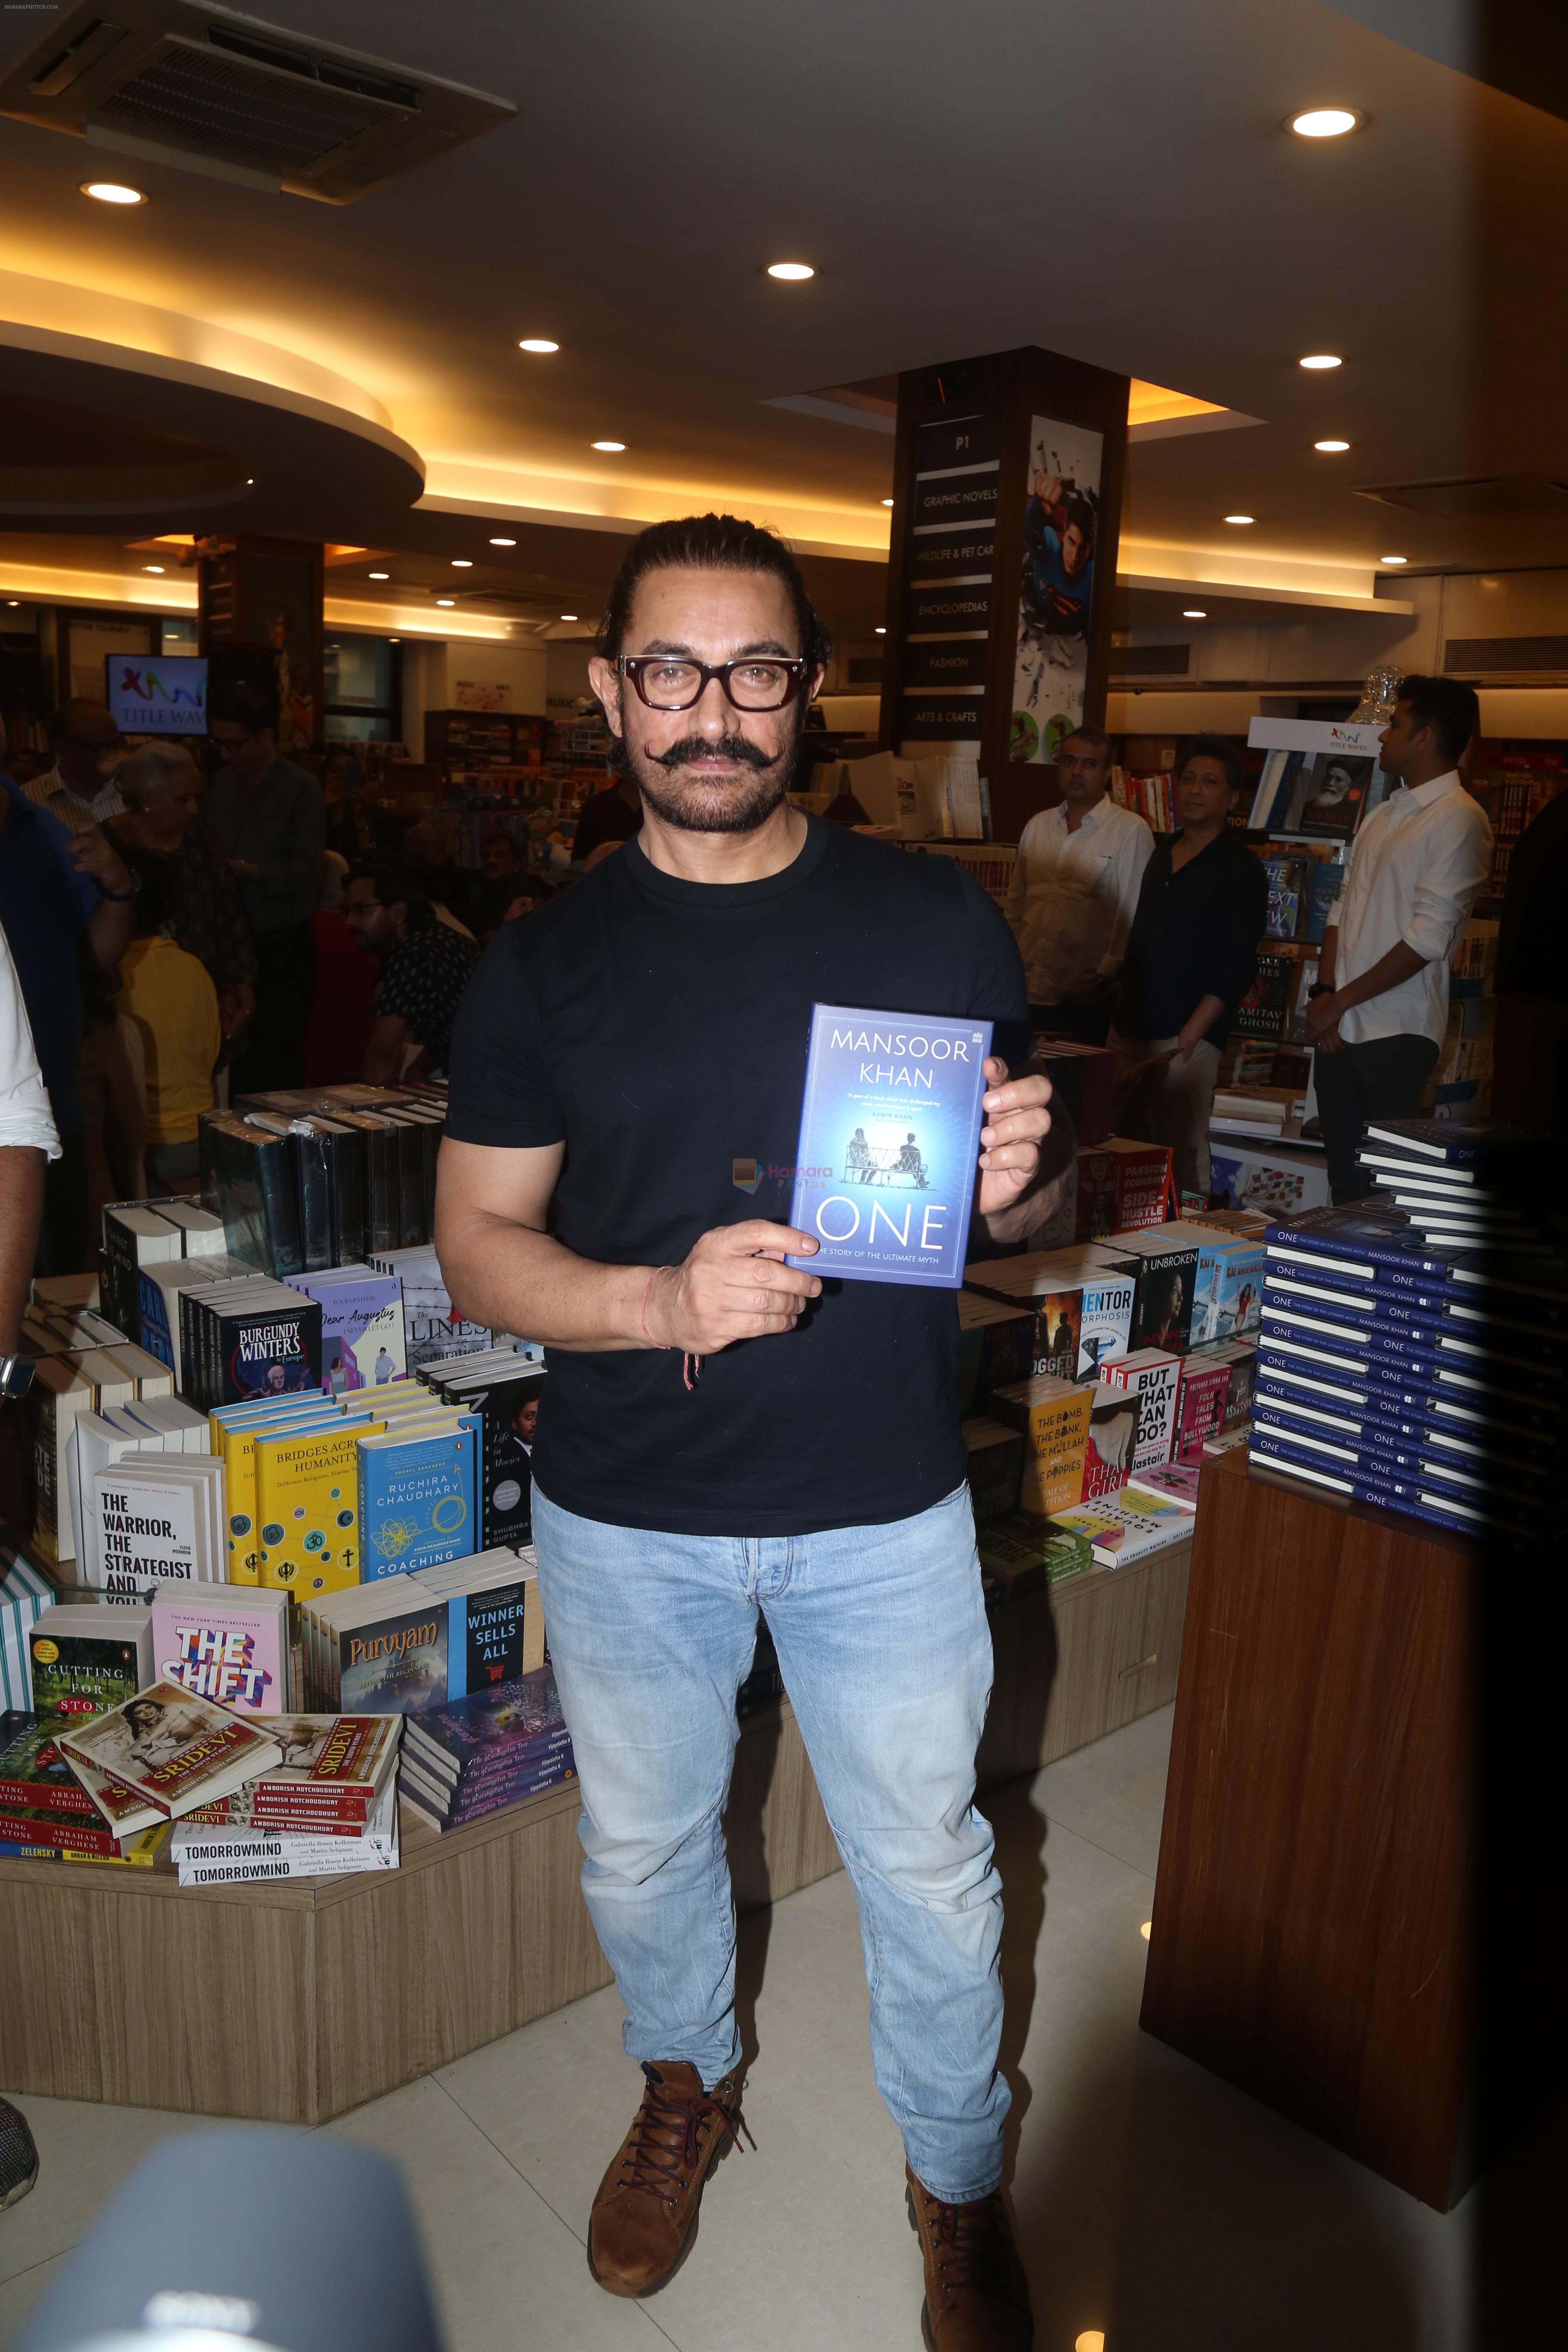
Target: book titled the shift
890,1136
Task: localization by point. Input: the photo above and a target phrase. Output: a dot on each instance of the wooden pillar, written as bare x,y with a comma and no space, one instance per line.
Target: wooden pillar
999,609
261,619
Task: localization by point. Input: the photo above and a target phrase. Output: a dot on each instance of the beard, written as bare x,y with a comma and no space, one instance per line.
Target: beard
692,805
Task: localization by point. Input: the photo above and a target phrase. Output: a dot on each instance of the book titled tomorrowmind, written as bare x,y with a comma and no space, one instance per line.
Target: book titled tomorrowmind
889,1136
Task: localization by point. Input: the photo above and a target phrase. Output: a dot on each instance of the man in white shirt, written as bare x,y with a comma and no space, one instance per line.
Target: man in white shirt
1074,891
1381,1004
79,789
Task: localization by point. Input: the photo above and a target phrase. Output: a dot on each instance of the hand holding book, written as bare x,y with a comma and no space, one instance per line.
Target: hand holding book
1017,1120
733,1285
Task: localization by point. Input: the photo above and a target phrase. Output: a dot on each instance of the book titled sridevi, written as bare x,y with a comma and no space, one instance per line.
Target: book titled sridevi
889,1136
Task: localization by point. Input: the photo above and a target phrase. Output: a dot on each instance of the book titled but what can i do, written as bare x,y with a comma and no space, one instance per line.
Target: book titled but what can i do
889,1136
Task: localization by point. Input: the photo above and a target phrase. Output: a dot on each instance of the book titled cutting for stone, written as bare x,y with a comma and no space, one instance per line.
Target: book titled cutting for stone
890,1138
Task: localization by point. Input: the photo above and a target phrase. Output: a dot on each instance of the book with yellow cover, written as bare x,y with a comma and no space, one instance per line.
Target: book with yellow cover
1054,1417
307,1505
233,1432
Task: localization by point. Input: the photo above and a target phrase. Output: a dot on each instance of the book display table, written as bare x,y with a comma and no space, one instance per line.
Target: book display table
290,2002
1313,1936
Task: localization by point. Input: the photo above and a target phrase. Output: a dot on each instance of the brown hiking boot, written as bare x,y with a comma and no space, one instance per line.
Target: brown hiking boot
977,2298
644,2215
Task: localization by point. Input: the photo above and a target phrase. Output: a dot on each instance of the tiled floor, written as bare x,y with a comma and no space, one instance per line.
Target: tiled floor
1153,2202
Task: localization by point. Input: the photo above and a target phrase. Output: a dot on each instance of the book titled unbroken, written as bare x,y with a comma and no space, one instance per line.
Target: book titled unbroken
890,1139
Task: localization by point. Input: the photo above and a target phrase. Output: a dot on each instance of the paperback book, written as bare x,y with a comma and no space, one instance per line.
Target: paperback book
890,1136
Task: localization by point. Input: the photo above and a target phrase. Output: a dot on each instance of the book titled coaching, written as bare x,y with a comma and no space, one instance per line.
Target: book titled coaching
889,1135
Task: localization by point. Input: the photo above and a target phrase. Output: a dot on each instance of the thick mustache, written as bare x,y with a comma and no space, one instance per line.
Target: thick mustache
697,746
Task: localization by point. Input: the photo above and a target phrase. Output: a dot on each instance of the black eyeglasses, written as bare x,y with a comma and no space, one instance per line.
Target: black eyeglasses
762,682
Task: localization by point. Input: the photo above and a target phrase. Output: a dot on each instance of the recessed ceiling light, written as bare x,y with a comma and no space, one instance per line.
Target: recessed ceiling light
462,562
395,641
378,575
1320,359
794,273
113,191
152,567
613,447
503,542
568,616
445,600
1325,122
13,602
1330,447
1394,559
250,481
1092,2339
1239,517
539,343
1195,616
1147,1930
886,502
881,631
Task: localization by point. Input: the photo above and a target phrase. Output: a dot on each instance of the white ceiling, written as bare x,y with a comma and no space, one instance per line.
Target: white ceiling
1112,181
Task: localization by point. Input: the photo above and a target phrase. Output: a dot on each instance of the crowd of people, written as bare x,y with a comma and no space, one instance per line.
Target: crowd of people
1150,946
192,919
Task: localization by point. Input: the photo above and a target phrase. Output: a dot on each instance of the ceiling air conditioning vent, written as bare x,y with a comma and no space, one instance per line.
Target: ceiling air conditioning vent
1486,494
1149,661
1513,657
178,82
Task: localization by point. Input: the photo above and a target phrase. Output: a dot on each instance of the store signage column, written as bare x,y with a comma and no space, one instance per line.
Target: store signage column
1006,501
261,619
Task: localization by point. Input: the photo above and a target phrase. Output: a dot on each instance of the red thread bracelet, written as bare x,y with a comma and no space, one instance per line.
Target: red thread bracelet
689,1363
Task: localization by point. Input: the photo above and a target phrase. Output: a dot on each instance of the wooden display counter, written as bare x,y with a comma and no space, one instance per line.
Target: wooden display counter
1313,1935
291,2002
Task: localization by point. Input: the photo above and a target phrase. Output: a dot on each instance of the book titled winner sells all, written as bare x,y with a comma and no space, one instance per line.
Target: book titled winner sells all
890,1136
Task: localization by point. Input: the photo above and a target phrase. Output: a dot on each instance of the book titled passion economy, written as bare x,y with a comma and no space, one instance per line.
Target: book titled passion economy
890,1136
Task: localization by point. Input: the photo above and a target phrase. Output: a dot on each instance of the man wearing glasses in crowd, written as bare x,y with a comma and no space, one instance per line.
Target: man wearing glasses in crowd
721,1431
271,817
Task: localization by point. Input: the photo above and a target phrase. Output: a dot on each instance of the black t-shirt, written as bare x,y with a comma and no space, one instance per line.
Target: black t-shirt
659,1028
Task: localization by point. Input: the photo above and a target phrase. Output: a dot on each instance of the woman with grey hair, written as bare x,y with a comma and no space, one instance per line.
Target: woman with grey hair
182,871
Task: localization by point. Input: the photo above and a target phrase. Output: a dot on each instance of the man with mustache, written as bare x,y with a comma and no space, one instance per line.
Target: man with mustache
721,1431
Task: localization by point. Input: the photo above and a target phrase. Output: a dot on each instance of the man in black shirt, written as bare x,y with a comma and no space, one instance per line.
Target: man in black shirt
1192,955
722,1430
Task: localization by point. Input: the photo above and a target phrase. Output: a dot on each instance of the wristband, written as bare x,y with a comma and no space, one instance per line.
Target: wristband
1319,988
120,898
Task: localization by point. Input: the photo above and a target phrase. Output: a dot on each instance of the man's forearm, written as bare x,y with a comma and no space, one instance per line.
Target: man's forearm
517,1280
21,1214
1391,971
108,932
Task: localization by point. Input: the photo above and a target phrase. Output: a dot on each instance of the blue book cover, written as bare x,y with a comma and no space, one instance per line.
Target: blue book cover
416,1501
890,1136
361,1328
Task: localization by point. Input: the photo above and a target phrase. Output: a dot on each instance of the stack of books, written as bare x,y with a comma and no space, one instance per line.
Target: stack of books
1411,1355
463,1761
328,1810
46,1814
407,1644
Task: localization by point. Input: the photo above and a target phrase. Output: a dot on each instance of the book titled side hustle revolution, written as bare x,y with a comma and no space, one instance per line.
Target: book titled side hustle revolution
889,1135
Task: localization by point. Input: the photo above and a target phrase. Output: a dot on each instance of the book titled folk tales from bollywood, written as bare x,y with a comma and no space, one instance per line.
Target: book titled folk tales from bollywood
890,1138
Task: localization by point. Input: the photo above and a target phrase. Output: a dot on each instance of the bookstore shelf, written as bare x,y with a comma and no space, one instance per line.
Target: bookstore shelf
292,2001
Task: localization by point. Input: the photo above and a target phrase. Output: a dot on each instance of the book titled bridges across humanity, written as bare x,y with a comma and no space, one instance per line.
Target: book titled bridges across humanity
890,1136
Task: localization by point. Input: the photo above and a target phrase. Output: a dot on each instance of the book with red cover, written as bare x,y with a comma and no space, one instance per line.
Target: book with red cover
171,1749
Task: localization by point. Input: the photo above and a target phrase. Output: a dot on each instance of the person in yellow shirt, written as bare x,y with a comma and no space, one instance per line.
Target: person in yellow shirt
170,996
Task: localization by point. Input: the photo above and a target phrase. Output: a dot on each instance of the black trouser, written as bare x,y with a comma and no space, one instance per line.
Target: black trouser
274,1053
1384,1078
65,1241
1089,1024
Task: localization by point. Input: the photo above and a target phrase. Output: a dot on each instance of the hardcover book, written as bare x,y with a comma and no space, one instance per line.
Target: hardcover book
1054,1417
1153,1374
223,1643
86,1660
171,1749
1112,1440
491,1726
361,1328
333,1768
890,1136
307,1505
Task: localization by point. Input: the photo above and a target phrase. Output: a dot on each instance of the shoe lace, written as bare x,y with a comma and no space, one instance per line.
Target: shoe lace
972,2235
663,2143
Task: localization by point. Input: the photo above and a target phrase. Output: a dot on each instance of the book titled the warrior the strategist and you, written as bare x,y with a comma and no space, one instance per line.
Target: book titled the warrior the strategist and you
889,1136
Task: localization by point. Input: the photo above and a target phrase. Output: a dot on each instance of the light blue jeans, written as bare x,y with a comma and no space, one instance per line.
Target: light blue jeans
882,1636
